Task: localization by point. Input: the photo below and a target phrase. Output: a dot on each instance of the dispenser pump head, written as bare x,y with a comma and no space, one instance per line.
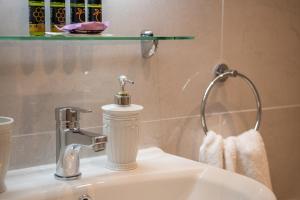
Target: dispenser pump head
123,98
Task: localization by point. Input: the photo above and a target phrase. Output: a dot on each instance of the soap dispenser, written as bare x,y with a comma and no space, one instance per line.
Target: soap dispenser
121,125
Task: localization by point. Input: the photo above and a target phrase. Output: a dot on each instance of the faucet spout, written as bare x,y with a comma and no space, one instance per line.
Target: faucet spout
97,141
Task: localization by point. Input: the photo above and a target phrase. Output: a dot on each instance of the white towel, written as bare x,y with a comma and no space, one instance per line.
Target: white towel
211,151
244,154
230,154
252,157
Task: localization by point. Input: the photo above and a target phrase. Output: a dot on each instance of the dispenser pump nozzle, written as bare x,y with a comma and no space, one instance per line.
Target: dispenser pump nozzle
123,98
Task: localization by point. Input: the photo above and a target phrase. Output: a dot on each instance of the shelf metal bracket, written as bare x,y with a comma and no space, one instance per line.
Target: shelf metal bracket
148,46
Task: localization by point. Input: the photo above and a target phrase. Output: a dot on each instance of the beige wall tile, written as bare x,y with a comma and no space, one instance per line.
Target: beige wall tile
281,133
31,150
185,68
150,134
183,136
261,39
237,123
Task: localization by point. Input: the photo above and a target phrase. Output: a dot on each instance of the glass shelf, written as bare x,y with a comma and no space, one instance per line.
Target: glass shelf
149,42
93,37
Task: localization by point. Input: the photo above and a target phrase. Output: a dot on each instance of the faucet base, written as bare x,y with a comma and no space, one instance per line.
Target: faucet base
67,178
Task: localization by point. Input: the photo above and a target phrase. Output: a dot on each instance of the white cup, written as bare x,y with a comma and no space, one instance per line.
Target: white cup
5,142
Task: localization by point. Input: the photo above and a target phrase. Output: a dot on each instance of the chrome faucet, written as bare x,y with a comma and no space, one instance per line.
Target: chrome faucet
67,151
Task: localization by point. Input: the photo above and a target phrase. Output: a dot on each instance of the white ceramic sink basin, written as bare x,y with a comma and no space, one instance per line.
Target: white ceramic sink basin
160,176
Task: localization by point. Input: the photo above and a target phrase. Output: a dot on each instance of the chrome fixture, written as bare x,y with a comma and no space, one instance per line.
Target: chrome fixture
222,72
148,44
219,70
67,151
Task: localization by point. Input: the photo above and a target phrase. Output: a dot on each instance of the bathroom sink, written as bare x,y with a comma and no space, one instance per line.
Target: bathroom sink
160,176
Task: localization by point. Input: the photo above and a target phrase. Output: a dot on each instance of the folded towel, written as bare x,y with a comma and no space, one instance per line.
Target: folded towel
244,154
252,157
211,151
230,154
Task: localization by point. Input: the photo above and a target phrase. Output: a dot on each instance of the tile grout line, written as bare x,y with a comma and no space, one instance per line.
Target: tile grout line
176,118
281,107
223,113
222,30
32,134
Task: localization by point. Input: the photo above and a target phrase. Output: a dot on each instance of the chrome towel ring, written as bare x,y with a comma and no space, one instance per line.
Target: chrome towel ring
222,73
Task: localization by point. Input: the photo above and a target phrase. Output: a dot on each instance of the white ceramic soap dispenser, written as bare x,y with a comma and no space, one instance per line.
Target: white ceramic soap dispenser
121,125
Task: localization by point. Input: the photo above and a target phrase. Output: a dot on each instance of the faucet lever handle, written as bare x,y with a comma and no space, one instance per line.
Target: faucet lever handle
69,113
81,110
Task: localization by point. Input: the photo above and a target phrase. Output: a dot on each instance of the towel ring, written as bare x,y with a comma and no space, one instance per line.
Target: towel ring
222,74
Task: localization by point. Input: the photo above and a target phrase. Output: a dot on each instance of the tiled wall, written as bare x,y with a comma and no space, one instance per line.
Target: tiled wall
260,38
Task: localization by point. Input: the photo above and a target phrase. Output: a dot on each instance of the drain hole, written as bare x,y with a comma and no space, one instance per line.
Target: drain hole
85,197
